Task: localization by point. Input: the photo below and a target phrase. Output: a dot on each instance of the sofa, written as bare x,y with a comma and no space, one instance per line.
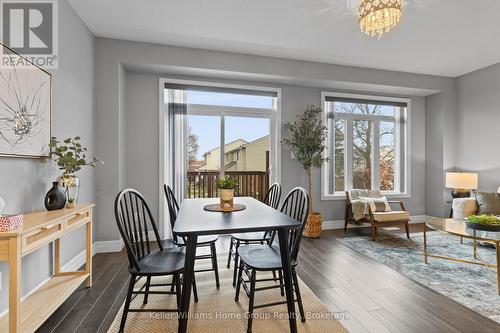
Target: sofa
481,203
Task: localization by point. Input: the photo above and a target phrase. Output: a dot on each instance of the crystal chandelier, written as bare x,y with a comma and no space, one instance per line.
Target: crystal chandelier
379,16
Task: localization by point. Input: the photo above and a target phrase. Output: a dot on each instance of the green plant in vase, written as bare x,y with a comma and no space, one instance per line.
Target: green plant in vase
70,156
226,186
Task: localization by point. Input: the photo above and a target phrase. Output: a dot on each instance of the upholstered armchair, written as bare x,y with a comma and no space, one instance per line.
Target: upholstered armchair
364,206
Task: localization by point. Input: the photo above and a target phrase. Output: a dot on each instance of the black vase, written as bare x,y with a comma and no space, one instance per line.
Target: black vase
55,198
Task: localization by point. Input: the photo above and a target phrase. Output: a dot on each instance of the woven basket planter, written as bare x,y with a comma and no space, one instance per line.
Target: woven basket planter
314,225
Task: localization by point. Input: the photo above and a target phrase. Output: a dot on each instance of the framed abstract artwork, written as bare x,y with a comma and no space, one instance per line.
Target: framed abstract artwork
25,106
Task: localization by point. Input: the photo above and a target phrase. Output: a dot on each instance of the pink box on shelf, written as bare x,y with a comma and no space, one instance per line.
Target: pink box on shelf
10,222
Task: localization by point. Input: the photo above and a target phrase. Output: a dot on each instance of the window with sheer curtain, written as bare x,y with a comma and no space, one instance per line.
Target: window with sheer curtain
367,144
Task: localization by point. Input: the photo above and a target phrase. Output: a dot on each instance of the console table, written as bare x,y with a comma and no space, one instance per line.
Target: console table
40,229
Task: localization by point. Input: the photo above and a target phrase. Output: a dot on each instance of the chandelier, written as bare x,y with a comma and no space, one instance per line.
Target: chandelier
377,17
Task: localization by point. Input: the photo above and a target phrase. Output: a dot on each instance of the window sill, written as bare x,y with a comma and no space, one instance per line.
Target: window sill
338,197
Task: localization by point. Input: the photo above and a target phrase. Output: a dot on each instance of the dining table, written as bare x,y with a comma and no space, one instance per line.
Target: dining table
193,221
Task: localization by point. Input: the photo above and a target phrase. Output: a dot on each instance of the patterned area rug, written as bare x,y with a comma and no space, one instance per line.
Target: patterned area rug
470,285
216,310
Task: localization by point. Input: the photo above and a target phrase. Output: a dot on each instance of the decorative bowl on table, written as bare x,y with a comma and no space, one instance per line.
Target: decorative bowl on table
484,222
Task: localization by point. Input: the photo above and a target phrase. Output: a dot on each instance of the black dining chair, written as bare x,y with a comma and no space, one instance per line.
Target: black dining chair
135,223
272,199
266,258
203,241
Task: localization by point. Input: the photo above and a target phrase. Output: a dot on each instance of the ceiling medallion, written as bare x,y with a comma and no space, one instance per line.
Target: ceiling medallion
377,17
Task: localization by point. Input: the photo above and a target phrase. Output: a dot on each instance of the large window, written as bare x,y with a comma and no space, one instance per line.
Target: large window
367,144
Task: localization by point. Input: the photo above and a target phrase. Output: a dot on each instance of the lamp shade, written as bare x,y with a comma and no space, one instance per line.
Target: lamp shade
498,190
461,180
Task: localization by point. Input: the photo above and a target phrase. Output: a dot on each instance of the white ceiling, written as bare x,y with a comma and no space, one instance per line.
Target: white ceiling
439,37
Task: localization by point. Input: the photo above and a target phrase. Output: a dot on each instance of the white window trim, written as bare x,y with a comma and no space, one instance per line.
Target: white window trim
165,175
348,133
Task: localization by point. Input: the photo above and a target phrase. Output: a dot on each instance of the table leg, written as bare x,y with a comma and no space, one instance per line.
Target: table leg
187,282
425,244
287,276
497,247
88,252
14,284
475,249
57,256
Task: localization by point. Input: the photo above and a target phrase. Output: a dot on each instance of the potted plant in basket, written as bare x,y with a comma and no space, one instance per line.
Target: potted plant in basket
226,187
70,157
306,139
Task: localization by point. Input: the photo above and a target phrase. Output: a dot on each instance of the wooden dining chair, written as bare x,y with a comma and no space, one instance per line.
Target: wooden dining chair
267,258
272,199
203,241
135,223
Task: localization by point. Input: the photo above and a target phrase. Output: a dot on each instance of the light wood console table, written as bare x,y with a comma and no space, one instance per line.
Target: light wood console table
40,229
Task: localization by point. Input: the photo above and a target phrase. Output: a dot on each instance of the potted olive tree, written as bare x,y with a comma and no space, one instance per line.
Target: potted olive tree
306,139
226,186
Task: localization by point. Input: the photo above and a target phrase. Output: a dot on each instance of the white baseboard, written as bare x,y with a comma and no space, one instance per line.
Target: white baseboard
339,224
75,263
4,312
108,246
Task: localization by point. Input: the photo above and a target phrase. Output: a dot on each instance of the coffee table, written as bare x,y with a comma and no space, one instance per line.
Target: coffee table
459,228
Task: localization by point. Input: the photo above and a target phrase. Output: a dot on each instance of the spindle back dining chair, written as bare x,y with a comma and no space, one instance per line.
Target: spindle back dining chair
272,199
203,241
266,258
147,257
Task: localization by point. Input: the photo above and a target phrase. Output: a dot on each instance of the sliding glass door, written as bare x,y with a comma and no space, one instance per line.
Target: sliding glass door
230,141
225,132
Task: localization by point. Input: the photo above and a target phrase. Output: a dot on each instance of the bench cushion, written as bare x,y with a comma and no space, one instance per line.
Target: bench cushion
391,216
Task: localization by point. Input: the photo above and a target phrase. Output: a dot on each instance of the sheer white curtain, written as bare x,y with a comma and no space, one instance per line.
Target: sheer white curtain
176,138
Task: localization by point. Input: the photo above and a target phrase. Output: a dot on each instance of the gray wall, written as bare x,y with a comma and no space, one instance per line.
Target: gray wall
141,141
24,182
477,124
440,149
127,105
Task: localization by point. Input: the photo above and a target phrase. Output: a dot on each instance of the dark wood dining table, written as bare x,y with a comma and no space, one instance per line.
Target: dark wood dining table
193,221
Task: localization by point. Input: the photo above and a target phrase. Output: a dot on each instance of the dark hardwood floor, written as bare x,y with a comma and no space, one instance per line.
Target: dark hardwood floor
375,297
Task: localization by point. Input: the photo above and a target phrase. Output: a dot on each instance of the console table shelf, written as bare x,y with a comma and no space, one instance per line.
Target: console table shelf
40,229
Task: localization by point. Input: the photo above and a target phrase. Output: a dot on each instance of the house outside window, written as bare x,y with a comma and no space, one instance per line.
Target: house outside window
367,144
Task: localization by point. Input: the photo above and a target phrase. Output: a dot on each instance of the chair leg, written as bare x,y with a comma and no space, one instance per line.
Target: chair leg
178,290
250,302
236,258
148,283
195,290
213,252
229,255
238,283
373,231
274,274
282,288
407,227
299,298
173,283
127,302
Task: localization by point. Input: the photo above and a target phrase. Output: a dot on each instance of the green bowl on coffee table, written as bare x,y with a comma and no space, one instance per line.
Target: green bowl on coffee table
486,222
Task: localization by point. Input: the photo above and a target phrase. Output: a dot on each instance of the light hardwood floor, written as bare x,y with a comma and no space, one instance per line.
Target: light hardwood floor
376,298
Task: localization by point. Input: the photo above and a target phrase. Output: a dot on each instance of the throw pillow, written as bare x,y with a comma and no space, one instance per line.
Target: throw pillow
488,203
377,204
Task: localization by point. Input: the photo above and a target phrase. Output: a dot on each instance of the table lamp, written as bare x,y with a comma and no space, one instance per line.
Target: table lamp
461,183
